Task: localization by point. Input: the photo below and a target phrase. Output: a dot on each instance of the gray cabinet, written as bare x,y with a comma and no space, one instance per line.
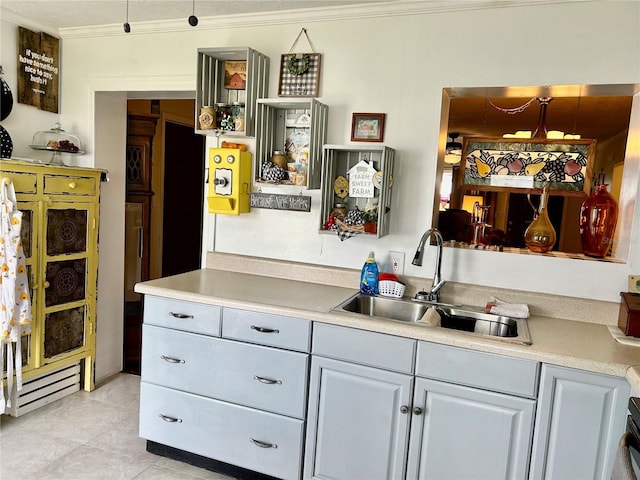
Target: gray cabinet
580,418
462,432
370,419
360,392
238,399
358,422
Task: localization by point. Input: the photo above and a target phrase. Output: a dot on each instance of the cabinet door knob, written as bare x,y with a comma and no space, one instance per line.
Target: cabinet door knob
404,409
417,411
263,444
264,330
46,284
166,418
267,381
171,359
72,185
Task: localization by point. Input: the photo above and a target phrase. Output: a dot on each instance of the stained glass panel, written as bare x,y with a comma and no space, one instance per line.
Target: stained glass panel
67,281
63,331
66,231
26,232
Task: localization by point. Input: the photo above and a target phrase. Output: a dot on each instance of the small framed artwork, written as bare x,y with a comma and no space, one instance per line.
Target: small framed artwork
367,127
235,75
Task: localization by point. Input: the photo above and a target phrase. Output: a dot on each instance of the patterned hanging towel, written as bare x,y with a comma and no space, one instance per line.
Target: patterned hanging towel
15,304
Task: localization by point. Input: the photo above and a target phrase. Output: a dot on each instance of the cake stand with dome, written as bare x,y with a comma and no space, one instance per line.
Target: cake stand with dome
58,142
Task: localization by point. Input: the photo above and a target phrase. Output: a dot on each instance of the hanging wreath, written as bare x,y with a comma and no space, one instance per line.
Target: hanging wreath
295,69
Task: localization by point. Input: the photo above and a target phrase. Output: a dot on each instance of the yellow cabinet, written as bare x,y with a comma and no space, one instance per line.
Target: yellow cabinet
60,207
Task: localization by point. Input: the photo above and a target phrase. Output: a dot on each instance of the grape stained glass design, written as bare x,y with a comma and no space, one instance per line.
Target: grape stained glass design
66,231
63,331
67,281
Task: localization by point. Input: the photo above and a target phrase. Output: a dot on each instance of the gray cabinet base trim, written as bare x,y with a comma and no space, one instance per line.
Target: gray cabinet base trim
205,462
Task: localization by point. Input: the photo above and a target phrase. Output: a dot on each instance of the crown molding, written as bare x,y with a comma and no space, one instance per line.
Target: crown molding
313,15
10,17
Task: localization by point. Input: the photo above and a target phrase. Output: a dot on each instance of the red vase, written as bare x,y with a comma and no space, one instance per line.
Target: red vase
598,218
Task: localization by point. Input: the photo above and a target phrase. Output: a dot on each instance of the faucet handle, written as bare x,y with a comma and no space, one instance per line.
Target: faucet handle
423,296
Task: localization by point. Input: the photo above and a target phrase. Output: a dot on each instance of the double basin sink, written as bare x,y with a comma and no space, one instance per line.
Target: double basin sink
456,317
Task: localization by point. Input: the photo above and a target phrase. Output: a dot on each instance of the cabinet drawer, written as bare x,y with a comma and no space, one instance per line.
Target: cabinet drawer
181,315
252,375
62,184
275,330
24,183
367,348
259,441
478,369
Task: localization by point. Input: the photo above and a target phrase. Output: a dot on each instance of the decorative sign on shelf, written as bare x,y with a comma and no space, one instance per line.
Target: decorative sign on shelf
38,70
275,201
361,180
299,72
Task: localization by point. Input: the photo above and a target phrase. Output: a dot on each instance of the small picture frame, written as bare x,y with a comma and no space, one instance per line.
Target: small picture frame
367,127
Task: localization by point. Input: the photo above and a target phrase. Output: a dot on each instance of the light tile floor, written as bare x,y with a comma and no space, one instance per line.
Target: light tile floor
87,436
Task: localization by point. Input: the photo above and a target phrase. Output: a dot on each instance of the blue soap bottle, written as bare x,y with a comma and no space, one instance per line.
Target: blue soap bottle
369,277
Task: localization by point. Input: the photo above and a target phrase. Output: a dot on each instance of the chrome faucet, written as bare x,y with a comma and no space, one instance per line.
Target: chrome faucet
432,295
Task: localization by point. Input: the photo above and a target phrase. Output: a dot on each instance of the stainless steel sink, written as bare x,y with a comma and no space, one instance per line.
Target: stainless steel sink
394,309
456,317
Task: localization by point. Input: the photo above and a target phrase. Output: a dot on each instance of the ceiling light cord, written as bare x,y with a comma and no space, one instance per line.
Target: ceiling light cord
193,20
126,26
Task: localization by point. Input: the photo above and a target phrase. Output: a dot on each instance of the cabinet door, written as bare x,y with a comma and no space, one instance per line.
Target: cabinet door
68,277
581,416
356,425
462,432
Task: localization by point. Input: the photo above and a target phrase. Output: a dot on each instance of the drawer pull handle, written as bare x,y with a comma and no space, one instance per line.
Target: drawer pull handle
170,419
171,359
263,444
72,185
268,381
264,330
180,315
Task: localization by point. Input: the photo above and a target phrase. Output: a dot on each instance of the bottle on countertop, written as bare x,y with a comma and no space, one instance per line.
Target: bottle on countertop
369,277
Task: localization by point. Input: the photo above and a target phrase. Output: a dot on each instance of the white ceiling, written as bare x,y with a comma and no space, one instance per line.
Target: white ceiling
80,13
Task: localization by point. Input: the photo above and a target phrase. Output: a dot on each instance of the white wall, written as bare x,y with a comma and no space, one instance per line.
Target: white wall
394,63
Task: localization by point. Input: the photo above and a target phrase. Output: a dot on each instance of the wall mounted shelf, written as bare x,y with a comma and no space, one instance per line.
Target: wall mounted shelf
296,126
337,161
214,87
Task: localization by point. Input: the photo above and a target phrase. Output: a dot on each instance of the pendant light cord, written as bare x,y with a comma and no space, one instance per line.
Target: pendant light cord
512,111
126,26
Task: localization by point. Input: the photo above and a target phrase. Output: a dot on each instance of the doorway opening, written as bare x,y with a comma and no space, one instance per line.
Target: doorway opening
164,204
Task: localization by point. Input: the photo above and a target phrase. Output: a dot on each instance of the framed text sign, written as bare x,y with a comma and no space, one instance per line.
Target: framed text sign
299,75
275,201
38,70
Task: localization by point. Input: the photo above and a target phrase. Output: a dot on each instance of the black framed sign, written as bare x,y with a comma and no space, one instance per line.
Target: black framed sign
299,75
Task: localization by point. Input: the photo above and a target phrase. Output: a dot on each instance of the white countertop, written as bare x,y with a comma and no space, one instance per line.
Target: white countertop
569,343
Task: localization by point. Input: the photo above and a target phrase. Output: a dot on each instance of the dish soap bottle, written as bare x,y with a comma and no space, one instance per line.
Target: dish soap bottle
369,277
